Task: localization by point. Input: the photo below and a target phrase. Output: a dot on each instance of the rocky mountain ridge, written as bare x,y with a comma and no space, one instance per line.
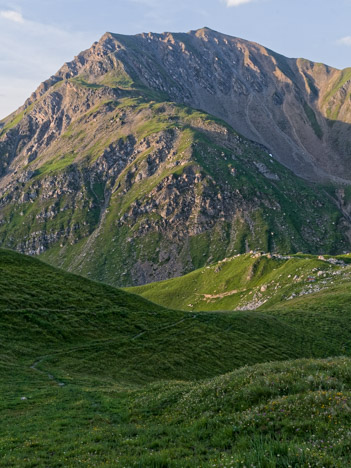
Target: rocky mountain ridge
298,109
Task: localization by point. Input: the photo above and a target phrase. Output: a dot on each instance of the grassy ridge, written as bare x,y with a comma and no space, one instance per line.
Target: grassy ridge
247,281
29,284
81,326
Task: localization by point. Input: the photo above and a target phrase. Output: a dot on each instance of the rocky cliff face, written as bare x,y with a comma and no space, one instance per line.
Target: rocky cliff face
105,171
298,109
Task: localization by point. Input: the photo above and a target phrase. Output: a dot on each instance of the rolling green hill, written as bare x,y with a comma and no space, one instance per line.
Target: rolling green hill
249,281
96,376
72,325
294,413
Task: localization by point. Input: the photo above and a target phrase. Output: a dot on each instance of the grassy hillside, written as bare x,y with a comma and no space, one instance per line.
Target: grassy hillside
249,281
294,413
27,284
96,376
72,325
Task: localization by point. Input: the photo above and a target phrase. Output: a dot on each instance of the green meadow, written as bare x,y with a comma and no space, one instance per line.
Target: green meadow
96,376
250,281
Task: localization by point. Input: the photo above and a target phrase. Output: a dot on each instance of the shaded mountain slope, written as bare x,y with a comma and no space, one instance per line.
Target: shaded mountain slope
134,189
298,109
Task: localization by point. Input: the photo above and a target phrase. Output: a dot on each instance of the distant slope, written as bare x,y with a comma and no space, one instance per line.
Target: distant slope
336,296
249,281
109,171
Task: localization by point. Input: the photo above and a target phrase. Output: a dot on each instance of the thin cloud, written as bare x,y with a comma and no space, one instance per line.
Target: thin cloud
149,3
12,15
45,49
345,41
235,3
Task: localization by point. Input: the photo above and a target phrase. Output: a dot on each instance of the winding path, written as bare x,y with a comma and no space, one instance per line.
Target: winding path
40,359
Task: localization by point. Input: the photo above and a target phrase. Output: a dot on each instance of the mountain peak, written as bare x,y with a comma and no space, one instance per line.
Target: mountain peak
252,88
205,29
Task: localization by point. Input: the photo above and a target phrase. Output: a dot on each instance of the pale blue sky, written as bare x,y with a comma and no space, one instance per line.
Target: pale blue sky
38,36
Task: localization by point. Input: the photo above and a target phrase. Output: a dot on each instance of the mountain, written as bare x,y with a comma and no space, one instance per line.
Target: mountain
93,375
108,170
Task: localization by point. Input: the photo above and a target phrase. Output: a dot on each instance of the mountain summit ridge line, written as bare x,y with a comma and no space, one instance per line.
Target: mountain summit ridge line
295,107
